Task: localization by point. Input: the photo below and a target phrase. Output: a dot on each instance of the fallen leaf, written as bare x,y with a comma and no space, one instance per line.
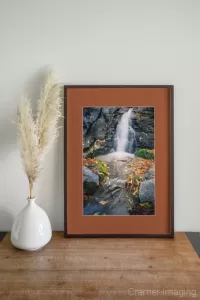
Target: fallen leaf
102,202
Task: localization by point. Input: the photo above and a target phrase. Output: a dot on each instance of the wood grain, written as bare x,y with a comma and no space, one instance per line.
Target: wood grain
101,269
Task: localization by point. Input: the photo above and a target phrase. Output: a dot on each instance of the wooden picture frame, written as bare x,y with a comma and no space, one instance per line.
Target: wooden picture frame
155,101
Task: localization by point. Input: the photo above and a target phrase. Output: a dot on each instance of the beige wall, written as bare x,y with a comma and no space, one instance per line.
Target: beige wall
99,42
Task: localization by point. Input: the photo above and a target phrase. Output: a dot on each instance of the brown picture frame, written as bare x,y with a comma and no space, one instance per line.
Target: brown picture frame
162,98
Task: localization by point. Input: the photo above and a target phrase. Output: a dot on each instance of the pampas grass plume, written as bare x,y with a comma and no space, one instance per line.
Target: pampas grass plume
37,135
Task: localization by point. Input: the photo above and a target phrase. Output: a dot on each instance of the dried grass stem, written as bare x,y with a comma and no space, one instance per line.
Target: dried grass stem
36,136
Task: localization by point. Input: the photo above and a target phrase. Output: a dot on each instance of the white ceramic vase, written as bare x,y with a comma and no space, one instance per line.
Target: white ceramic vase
31,229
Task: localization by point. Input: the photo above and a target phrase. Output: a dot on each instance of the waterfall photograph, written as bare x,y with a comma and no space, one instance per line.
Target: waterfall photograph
118,161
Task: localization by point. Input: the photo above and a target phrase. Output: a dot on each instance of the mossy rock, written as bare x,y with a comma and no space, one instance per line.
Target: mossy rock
145,153
90,181
101,169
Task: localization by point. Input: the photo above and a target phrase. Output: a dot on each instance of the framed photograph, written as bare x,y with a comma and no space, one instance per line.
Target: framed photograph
119,170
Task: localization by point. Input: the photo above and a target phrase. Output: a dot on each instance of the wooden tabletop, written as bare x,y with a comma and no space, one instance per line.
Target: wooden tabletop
101,269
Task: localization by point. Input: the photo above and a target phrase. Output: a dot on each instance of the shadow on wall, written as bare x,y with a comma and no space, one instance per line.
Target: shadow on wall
6,219
57,213
49,189
50,185
8,136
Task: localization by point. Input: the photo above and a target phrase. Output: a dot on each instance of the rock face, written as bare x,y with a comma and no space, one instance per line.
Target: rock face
144,127
147,191
90,181
90,115
100,124
110,190
115,196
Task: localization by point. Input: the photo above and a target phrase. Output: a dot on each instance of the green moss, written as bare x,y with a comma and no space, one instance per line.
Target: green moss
146,204
145,153
99,168
103,168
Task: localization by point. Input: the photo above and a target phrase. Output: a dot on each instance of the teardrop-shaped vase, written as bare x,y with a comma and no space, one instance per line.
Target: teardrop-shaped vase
31,229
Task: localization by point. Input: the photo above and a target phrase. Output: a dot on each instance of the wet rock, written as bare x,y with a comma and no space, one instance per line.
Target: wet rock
110,189
115,196
94,209
144,140
97,132
90,115
90,181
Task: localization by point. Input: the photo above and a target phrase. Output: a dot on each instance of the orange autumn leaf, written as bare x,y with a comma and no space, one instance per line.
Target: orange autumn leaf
139,168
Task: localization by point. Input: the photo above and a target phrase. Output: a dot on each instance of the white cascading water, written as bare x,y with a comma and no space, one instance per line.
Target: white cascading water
122,135
123,130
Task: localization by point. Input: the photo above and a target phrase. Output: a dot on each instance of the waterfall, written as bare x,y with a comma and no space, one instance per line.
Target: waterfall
123,131
125,138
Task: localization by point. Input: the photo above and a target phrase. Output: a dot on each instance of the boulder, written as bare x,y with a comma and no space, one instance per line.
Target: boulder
147,190
90,181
